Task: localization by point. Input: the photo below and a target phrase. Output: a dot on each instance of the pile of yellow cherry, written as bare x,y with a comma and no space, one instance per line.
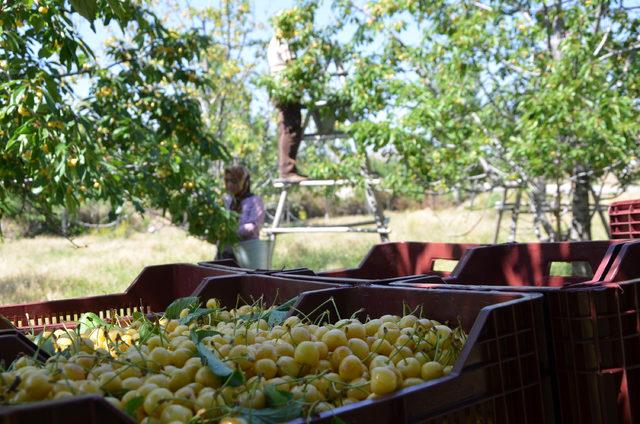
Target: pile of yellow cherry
226,366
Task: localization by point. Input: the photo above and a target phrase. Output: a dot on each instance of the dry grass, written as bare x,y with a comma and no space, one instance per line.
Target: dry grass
454,225
46,268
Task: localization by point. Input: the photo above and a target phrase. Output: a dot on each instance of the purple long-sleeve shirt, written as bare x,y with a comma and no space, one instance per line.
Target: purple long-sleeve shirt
251,216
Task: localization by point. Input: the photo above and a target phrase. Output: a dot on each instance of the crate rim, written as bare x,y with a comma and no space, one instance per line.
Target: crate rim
6,411
458,367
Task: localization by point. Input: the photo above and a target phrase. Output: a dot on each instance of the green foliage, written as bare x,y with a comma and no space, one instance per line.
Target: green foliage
86,8
195,315
491,84
463,93
487,92
174,309
305,77
231,376
275,397
229,103
139,135
285,412
132,405
315,79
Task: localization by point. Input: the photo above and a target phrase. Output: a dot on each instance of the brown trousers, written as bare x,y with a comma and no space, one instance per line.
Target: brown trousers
290,136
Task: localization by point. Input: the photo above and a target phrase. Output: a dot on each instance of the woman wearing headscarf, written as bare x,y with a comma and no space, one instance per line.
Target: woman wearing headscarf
248,206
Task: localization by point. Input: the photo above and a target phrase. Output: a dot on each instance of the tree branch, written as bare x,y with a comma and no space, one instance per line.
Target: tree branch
87,71
520,70
621,51
602,42
601,9
547,23
483,6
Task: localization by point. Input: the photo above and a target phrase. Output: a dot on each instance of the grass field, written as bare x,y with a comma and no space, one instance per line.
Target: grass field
45,268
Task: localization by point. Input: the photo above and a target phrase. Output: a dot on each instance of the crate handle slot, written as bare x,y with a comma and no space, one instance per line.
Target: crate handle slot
570,269
444,265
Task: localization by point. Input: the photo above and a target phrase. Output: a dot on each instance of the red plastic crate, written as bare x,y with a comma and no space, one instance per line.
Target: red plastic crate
594,343
596,337
80,410
626,264
231,290
496,379
248,288
611,317
387,262
593,328
14,344
529,264
231,266
624,219
152,290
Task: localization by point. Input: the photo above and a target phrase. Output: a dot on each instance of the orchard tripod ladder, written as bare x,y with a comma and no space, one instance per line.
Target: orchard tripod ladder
355,227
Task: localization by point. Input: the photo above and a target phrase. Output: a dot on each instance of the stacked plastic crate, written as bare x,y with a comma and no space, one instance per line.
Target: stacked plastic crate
592,320
541,347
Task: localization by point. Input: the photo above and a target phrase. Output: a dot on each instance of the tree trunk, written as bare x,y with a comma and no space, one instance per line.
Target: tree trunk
538,197
580,216
64,222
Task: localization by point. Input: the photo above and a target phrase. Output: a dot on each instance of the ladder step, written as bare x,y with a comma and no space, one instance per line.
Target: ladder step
349,224
355,224
279,183
338,229
321,137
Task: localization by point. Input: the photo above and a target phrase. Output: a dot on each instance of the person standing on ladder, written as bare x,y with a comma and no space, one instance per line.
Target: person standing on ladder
289,114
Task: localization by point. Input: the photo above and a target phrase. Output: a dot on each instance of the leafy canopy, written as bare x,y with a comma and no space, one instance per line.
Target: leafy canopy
138,136
489,92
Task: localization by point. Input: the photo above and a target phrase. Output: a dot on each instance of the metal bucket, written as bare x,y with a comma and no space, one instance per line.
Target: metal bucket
254,254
